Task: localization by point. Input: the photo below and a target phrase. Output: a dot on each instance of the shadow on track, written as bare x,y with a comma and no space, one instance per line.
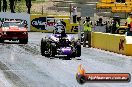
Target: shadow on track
63,58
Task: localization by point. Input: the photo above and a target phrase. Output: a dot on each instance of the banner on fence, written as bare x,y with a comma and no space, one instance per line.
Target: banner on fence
44,23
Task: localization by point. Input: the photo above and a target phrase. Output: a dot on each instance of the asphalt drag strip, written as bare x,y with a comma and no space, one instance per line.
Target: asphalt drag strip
21,65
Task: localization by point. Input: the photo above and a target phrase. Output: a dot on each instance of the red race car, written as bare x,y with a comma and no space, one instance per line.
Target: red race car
14,30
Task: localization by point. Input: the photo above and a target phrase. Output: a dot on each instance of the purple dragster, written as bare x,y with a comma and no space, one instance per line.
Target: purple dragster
58,44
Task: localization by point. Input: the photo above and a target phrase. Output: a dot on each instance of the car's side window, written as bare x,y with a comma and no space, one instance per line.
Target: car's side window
21,25
5,25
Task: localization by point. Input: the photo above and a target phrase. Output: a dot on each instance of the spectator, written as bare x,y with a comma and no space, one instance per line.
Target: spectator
108,26
12,6
28,4
79,19
4,5
87,31
74,14
100,22
115,26
129,24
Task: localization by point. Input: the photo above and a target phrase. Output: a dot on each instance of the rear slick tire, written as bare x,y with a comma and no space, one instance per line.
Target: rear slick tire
43,47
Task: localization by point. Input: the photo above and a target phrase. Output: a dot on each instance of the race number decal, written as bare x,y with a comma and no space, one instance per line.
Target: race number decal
74,29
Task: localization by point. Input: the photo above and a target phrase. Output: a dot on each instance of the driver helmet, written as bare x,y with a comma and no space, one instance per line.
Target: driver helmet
59,27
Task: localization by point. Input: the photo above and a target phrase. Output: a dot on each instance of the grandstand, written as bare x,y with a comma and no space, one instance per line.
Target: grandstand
64,5
118,7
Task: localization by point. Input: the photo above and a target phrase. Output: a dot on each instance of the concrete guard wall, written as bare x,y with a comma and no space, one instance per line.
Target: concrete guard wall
112,42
